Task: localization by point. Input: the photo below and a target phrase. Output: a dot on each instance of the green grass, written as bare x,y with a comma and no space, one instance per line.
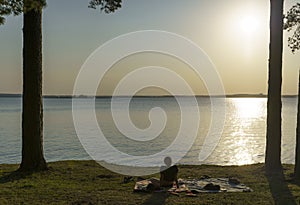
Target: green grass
86,182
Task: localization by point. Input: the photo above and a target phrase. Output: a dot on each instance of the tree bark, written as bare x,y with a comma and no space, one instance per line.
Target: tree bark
297,157
32,115
273,145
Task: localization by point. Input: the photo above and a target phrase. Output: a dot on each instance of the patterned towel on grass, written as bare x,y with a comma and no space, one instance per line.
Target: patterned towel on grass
215,185
203,185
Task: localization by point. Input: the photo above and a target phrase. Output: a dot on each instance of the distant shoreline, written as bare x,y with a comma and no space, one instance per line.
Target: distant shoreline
153,96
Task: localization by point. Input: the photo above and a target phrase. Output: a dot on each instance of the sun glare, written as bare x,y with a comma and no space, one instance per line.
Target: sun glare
249,24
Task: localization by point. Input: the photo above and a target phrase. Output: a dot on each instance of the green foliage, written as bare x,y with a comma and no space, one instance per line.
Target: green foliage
16,7
108,6
8,7
292,23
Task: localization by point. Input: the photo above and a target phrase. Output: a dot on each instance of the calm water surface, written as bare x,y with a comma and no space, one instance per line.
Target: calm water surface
242,140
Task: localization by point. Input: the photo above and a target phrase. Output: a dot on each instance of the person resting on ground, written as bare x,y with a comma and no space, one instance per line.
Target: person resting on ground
168,174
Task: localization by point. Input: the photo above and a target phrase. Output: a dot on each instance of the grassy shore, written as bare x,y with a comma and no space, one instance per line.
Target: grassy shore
86,182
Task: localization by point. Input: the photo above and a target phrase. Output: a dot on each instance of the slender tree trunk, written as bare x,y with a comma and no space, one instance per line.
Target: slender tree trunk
273,146
297,157
32,116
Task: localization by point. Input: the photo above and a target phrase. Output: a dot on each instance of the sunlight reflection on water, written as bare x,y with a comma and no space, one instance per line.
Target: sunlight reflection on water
247,111
243,138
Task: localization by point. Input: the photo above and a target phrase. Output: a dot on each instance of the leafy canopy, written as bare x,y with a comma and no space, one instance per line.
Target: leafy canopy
16,7
8,7
108,6
292,23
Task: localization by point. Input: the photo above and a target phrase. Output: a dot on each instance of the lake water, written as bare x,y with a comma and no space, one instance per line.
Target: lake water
242,140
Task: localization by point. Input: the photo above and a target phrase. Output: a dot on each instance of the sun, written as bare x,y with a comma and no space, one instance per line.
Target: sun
249,24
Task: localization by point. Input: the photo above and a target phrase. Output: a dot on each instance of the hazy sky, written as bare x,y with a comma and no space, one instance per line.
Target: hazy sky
234,34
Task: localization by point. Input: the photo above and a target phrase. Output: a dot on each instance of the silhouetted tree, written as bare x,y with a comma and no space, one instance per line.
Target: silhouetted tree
273,146
297,156
32,114
108,6
292,23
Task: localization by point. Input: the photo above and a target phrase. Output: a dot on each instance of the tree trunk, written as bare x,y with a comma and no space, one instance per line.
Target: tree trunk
32,116
297,157
273,146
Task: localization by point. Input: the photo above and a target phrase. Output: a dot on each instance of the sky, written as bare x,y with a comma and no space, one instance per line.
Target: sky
233,33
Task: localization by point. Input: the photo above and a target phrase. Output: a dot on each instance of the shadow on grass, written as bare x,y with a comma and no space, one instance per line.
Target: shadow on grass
279,188
156,199
14,176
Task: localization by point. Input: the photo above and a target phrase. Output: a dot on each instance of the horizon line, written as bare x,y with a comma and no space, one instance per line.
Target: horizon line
147,96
